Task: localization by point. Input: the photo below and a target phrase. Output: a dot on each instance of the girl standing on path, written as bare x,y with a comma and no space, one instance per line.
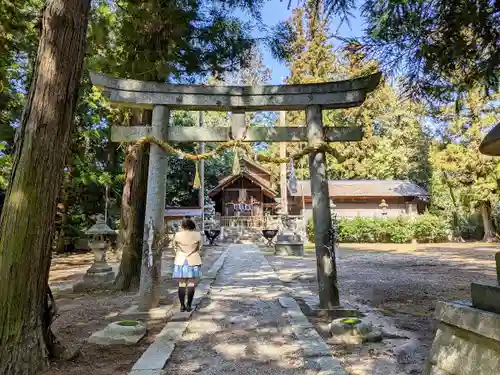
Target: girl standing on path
187,263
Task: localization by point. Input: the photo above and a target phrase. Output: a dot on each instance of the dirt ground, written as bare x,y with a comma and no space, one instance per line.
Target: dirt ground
402,283
81,314
70,267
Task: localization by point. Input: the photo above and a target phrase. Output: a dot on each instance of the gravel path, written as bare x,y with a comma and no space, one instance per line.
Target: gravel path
82,314
399,283
240,328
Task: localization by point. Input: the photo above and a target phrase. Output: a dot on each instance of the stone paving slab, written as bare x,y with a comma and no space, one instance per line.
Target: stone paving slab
153,360
368,359
243,329
116,334
146,372
155,357
310,340
160,312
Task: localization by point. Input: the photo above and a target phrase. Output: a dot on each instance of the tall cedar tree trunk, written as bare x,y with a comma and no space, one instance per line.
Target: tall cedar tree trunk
133,212
456,221
27,221
489,233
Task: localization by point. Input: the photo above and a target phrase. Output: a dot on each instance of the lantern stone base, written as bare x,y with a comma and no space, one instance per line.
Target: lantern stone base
119,333
291,249
100,275
353,331
486,296
289,244
467,341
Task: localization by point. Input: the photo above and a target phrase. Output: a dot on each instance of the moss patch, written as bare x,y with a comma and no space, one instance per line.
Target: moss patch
351,321
128,323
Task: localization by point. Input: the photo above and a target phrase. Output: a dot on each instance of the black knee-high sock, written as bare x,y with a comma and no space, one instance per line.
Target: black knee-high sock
190,294
182,295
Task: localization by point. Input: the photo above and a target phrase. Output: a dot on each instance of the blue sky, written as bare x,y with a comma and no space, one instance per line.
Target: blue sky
275,11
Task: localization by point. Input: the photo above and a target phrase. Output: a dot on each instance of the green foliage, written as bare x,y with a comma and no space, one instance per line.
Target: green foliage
165,41
470,227
424,228
464,179
5,167
430,228
128,323
18,42
395,144
432,41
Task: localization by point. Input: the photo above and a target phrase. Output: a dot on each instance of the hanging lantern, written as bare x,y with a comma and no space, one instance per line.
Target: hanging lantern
197,181
236,163
292,180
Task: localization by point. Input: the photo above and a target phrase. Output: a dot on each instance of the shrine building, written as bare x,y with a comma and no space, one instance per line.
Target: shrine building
251,193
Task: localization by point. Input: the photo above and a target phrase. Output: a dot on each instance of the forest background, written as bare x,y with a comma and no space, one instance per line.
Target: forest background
431,142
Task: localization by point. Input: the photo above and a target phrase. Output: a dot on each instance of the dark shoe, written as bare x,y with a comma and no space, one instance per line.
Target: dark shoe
182,298
190,295
190,290
188,309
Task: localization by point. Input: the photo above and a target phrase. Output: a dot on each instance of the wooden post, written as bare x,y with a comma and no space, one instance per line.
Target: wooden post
155,211
283,189
326,267
201,165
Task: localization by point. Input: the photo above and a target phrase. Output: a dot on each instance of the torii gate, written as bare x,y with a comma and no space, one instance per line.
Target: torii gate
313,98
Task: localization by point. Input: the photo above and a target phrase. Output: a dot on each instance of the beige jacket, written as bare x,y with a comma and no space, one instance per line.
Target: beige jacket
187,245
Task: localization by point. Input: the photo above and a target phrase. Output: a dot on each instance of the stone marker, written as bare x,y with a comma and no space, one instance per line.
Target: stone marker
486,296
467,341
125,332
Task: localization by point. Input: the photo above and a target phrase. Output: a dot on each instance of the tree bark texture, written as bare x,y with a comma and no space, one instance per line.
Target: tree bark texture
132,214
149,289
456,218
27,221
325,251
489,233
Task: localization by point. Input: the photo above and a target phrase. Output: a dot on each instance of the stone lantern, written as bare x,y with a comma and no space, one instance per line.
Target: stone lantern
100,274
383,206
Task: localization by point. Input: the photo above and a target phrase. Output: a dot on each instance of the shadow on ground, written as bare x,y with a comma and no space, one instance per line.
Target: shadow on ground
403,283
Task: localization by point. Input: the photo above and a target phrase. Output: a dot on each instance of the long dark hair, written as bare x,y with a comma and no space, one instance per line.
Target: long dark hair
188,224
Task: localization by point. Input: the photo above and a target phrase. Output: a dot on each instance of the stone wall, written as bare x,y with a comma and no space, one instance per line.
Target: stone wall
467,341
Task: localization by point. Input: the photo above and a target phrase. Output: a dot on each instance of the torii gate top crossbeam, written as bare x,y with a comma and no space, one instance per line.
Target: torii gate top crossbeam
329,95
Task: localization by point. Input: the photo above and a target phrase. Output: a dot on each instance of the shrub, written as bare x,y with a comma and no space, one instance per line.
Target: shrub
358,229
430,228
310,230
425,228
397,230
470,226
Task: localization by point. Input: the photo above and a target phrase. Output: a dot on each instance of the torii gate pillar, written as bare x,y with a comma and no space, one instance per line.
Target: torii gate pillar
325,269
155,211
312,98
